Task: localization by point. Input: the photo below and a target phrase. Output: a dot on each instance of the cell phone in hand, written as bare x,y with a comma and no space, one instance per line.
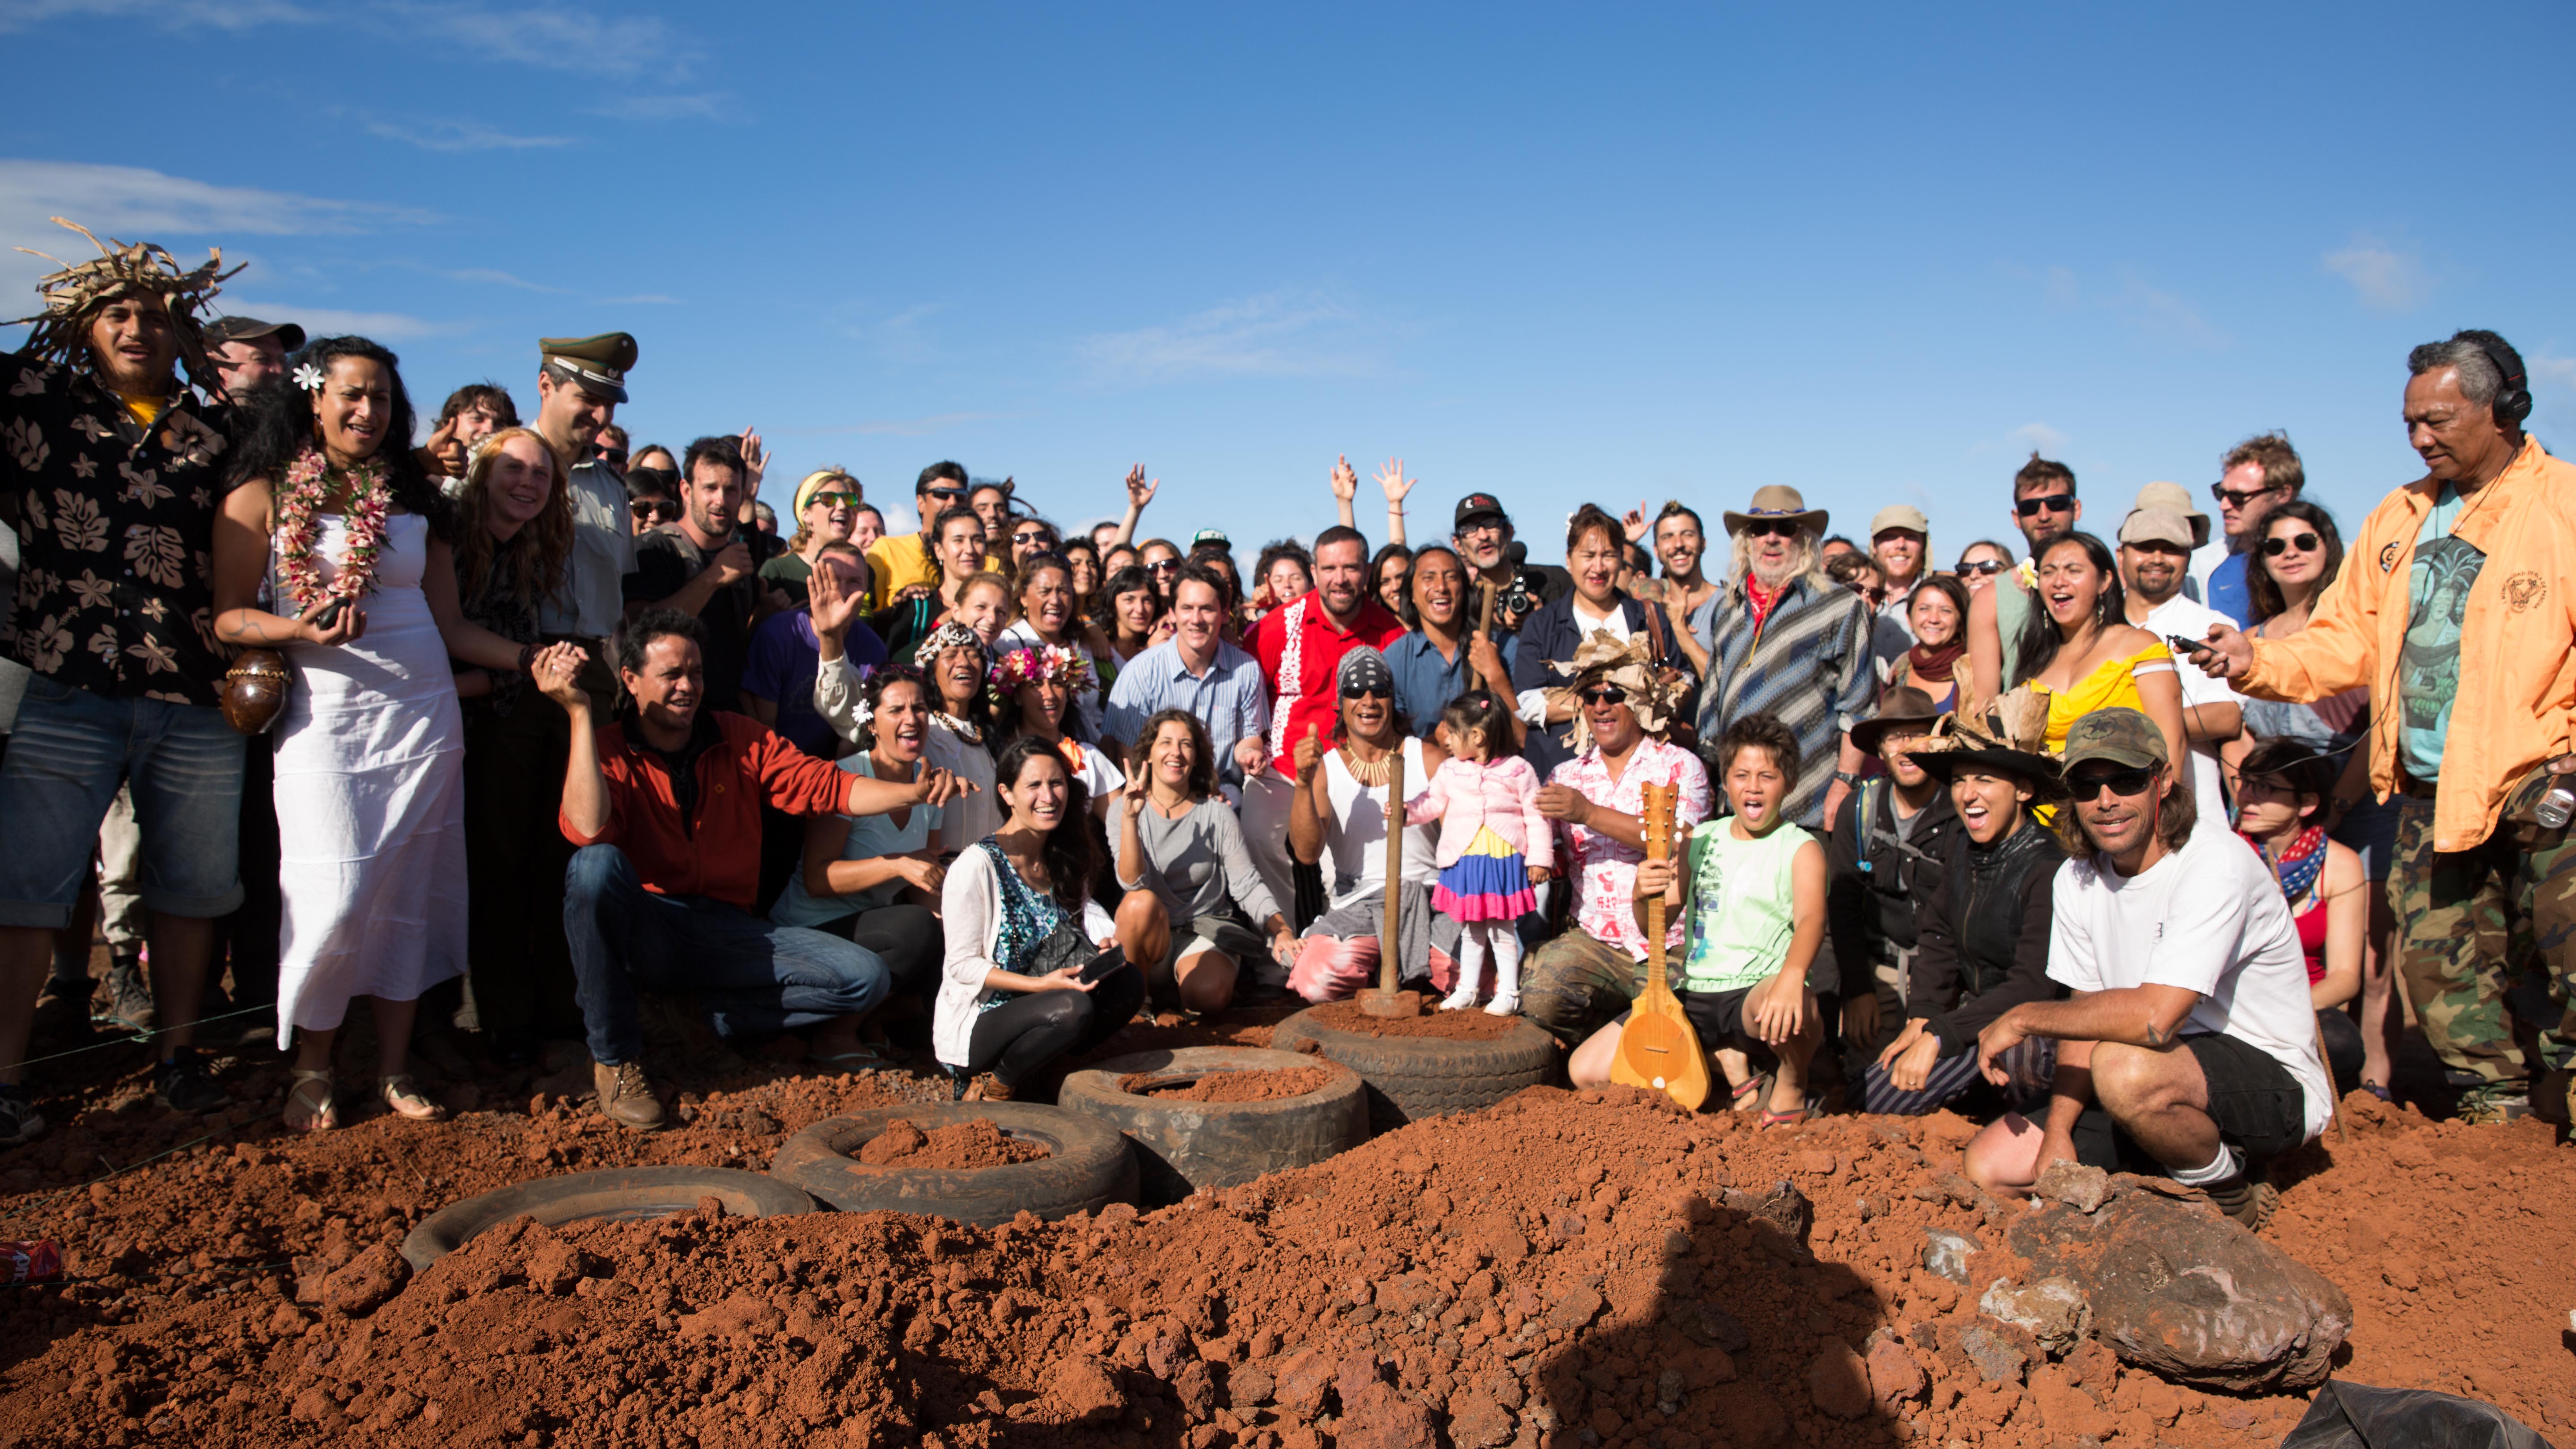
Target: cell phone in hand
2182,645
1097,969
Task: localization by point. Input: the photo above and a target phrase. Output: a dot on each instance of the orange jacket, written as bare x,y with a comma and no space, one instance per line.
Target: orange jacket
2517,692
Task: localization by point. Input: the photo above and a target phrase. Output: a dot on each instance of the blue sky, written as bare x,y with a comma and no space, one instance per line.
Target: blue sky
1876,252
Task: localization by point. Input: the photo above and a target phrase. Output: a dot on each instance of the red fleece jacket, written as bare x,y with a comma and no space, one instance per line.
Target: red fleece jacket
716,851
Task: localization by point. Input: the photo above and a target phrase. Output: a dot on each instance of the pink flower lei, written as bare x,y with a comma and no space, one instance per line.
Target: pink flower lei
308,487
1038,661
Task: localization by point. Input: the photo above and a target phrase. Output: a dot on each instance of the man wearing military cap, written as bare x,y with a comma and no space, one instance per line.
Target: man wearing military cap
579,385
246,352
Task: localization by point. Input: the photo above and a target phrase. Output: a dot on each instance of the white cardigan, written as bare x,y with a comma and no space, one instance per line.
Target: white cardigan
970,910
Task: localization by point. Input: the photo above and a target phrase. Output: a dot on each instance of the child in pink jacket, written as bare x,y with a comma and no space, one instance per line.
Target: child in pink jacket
1494,846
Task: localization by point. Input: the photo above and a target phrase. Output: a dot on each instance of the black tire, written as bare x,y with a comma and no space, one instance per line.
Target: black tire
1087,1169
1412,1077
617,1195
1184,1146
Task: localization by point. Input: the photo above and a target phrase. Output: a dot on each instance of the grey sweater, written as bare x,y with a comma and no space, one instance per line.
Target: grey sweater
1194,863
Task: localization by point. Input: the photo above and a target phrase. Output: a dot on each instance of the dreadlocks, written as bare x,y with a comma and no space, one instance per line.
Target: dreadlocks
74,295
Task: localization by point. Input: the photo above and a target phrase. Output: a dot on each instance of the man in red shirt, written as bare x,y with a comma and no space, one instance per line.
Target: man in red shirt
1299,647
665,807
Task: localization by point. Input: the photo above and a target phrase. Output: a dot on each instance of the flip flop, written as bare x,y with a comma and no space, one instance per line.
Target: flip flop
1756,1091
1791,1118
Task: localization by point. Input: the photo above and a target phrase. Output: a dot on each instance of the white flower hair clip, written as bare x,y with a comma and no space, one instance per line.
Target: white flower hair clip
309,378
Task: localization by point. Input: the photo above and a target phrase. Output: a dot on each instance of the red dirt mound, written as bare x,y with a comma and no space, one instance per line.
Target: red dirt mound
1264,1084
1448,1025
957,1147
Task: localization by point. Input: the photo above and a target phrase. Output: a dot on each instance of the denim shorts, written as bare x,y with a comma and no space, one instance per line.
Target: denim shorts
67,754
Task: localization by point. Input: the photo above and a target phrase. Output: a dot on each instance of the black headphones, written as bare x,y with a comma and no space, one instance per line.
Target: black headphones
2513,398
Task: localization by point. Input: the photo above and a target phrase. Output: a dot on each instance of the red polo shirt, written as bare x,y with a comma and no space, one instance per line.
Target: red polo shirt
735,762
1309,697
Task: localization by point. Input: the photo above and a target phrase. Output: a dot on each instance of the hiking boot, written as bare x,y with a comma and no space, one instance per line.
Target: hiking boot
2495,1106
625,1097
129,996
182,1084
19,1120
2246,1199
62,1011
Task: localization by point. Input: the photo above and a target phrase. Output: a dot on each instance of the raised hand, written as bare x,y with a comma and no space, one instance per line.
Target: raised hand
755,462
555,669
1346,480
831,605
1634,521
1308,753
444,449
1135,794
1392,479
1140,492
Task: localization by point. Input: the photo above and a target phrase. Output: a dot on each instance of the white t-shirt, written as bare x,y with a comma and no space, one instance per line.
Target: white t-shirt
2208,918
2179,615
1355,836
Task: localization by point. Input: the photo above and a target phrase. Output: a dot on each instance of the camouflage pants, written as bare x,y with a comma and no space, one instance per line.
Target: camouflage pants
2483,931
1575,984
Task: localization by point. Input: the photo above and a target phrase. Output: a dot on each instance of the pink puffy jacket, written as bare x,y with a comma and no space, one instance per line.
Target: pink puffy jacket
1501,793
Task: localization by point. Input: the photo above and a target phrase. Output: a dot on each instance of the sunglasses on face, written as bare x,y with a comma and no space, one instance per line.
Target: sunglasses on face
615,456
655,510
1033,536
1981,566
1771,528
834,500
1161,564
1368,691
2045,503
1604,694
2123,783
945,493
2303,542
2233,499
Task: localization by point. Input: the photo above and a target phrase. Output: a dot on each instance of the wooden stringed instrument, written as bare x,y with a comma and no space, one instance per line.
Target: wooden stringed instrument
1657,1048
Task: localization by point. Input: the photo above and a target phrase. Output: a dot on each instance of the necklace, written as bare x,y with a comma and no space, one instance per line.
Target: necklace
958,727
1373,774
308,487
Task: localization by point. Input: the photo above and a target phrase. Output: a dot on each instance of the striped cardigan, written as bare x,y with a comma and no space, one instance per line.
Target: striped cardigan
1810,665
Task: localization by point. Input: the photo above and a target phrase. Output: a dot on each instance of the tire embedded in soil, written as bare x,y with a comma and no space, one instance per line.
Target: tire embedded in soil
1087,1167
1183,1145
617,1195
1425,1067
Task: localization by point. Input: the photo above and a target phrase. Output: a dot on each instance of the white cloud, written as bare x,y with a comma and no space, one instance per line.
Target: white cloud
132,200
709,106
2385,279
205,14
332,321
551,37
2136,301
1277,334
492,277
647,299
2041,436
460,136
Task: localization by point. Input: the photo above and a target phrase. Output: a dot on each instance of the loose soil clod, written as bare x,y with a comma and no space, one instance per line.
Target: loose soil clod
1255,1085
960,1147
1446,1025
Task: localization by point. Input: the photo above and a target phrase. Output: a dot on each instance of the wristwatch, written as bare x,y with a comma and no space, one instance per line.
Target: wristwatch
1846,777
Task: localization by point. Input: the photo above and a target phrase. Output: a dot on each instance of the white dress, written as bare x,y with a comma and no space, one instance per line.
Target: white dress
370,799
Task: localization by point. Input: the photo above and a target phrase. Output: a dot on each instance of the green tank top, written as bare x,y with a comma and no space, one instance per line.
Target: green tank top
1743,904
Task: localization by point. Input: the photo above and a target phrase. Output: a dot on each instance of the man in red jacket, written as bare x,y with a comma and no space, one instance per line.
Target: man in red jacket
665,807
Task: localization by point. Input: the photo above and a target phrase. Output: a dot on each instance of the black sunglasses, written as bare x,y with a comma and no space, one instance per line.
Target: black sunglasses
2045,502
2223,494
616,456
2123,783
1160,564
1981,566
1368,691
1604,694
1035,535
653,509
945,492
2275,547
1771,528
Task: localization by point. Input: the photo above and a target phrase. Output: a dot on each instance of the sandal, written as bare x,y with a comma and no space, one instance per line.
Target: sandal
407,1100
320,1117
988,1088
1753,1093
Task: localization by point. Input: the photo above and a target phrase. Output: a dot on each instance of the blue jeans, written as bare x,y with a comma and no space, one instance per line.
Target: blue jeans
67,753
752,977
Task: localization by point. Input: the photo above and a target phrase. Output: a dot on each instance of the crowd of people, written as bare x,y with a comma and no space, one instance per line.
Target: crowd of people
2121,843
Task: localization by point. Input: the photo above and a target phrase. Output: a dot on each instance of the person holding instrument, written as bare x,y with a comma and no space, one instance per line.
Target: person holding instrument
1750,898
1021,982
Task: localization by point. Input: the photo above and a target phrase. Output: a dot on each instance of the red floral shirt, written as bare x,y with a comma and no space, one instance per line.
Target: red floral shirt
1604,870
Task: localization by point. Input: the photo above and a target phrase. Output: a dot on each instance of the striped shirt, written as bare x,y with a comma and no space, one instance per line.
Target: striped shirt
1808,662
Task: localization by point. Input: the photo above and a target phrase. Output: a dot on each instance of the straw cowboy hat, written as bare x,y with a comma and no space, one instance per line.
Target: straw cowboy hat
1778,500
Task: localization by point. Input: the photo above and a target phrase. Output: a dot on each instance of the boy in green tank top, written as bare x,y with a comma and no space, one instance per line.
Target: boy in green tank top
1750,893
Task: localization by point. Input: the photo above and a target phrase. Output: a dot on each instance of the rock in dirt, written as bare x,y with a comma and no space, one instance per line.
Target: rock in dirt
1374,1414
364,1282
2053,1309
1838,1381
1999,1360
1086,1390
2072,1183
1783,1207
1946,1254
1477,1422
1894,1376
2180,1289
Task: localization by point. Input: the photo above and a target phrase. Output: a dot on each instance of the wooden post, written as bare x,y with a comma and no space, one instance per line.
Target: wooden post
1384,999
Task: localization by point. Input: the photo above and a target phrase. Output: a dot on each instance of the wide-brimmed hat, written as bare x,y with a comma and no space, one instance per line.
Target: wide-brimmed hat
2178,498
2162,525
1904,704
2005,736
1777,500
1629,663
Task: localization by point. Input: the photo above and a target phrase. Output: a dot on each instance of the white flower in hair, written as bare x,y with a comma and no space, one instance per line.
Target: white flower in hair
309,378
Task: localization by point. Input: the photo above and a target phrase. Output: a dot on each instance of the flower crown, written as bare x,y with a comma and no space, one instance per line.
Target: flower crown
1032,662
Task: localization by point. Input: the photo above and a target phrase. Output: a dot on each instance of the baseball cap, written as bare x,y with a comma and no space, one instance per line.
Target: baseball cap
2120,735
1211,535
2178,498
2158,525
1477,506
245,329
1900,515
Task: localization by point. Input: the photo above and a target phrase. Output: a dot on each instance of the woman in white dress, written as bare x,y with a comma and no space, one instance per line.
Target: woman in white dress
331,550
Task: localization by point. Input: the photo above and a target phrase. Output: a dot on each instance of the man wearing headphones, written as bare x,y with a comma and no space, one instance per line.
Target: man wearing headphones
2472,561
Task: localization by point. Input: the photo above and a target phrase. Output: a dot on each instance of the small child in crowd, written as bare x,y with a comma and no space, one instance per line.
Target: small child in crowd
1750,891
1494,846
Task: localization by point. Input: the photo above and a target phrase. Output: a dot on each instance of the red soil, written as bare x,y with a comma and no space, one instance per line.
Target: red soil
1265,1084
1562,1262
958,1147
1447,1025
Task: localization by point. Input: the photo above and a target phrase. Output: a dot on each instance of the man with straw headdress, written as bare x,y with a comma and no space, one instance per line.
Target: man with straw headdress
1622,706
110,471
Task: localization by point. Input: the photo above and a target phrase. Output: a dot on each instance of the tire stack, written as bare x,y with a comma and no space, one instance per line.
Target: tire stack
1413,1077
1183,1146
